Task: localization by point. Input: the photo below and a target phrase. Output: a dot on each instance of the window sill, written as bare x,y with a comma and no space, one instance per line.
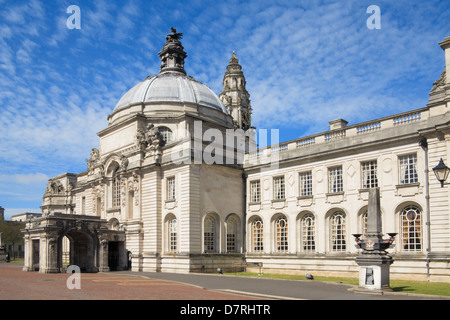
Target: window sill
170,204
305,201
335,197
278,203
407,185
408,189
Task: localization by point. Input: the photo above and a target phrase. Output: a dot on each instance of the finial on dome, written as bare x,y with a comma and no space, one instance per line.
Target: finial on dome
172,54
233,59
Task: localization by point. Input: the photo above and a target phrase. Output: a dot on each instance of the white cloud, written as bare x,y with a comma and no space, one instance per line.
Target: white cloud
24,178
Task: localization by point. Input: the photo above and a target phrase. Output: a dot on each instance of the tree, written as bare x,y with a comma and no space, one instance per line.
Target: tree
11,233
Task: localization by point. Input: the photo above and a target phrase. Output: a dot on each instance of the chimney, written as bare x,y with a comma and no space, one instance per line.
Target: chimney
445,45
337,124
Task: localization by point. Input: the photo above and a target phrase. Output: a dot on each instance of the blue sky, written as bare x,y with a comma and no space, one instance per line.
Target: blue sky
306,63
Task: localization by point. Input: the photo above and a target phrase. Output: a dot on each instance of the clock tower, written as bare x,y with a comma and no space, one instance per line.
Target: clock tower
234,95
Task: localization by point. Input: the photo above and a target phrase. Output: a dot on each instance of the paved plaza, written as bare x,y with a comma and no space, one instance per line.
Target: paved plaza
125,285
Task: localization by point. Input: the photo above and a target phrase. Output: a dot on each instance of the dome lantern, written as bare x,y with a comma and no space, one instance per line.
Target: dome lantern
172,54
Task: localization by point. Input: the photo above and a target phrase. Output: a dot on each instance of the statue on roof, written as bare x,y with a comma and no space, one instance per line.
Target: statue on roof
174,35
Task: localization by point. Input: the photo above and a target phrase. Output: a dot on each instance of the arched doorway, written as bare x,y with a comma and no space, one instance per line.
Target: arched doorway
92,245
82,250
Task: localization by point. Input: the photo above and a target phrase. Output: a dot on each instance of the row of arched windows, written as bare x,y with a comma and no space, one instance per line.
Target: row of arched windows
409,238
410,235
211,233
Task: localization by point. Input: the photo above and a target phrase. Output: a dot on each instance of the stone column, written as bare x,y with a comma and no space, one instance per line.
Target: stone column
28,253
103,256
49,260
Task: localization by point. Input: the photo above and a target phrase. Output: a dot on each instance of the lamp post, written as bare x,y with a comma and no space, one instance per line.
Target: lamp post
441,171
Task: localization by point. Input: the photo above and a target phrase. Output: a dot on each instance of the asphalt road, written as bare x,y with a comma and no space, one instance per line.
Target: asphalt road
276,289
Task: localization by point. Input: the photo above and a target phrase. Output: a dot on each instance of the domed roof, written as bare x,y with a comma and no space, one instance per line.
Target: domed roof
170,87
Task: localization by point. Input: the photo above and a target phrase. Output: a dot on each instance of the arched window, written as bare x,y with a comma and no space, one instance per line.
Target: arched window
337,232
257,235
116,188
209,234
166,134
364,222
232,235
173,234
411,228
308,232
281,231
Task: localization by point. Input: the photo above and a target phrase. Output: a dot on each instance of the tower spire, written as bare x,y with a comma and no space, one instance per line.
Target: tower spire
235,96
172,54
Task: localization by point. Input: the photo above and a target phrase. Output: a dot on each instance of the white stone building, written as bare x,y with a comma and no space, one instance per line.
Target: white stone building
164,193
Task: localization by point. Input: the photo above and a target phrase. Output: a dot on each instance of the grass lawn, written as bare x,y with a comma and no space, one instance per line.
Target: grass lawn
418,287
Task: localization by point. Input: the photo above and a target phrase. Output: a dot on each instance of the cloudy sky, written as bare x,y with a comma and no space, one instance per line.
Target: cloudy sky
306,62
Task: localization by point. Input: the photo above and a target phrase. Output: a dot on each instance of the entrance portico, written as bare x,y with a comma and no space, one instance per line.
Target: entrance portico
90,243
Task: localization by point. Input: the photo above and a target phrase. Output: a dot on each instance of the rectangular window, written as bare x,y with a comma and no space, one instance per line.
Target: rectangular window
255,191
408,169
335,182
171,188
278,188
231,242
83,205
369,175
306,184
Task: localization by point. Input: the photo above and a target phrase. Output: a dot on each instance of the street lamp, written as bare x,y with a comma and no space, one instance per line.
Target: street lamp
441,171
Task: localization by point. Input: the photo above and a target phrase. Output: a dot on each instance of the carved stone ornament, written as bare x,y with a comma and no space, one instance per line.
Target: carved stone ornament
52,245
123,163
104,244
153,142
98,192
133,185
91,163
54,187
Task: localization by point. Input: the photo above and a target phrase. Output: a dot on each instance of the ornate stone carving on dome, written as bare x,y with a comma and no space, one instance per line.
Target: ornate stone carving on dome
154,141
149,141
140,139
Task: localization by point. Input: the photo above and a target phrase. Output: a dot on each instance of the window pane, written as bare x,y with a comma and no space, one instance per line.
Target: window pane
337,226
281,234
411,222
171,188
335,183
408,169
257,227
116,190
255,191
308,233
306,184
173,235
231,235
209,235
279,188
166,134
369,175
